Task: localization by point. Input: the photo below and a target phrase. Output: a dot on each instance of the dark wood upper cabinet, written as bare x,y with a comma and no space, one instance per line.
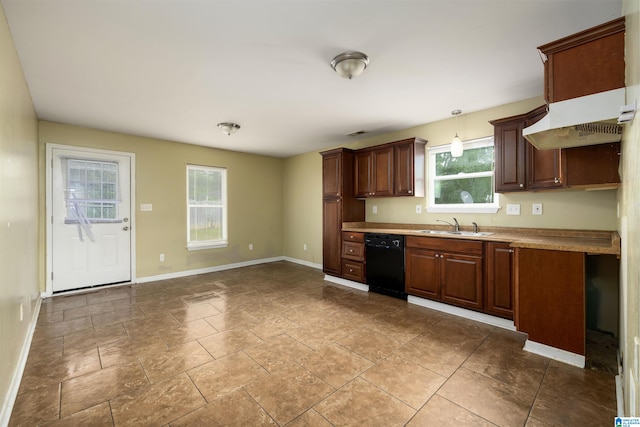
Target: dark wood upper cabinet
409,167
374,172
332,174
510,150
585,63
522,167
392,169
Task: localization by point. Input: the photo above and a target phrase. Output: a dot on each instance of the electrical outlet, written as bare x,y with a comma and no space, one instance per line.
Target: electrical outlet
304,247
418,209
21,311
374,209
513,209
161,257
537,209
250,246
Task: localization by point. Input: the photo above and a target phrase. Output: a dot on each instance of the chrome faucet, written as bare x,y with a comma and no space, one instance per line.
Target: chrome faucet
456,226
475,227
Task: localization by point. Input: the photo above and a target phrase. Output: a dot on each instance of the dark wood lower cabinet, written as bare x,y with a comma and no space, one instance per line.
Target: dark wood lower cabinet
422,273
461,280
499,281
331,236
445,270
550,297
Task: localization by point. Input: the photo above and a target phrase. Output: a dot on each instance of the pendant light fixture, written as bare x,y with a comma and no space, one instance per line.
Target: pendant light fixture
456,144
350,64
228,128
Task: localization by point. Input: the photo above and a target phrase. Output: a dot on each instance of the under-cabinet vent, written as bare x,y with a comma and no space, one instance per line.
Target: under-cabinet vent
587,128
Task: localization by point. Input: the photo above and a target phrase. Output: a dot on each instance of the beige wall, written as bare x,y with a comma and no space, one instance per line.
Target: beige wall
629,207
303,207
255,198
18,212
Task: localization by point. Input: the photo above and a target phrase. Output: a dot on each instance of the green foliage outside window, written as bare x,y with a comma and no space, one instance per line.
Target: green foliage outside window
465,179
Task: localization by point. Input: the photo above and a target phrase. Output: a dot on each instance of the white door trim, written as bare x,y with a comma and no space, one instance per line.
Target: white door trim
49,207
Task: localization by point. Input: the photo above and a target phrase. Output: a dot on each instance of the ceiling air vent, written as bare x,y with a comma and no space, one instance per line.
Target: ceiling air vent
357,133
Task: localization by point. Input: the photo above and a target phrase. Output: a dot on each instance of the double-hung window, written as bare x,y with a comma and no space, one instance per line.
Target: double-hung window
463,184
206,207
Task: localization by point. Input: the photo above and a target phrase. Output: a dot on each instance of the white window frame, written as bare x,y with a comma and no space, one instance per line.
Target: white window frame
460,207
208,244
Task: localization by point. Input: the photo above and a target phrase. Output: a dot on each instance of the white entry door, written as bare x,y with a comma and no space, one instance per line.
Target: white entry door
91,211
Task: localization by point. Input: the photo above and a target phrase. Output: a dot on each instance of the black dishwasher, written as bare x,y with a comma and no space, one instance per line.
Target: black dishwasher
385,264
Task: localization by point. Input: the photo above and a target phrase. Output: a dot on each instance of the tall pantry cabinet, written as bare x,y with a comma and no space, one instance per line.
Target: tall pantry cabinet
339,205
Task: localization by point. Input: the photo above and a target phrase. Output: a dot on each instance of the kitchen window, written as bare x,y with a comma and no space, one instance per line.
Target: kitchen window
462,184
206,207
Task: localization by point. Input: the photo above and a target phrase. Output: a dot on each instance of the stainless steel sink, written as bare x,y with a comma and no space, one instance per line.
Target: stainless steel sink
456,233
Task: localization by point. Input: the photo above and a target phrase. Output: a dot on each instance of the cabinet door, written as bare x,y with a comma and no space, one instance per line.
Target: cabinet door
545,169
461,280
500,279
383,172
331,236
364,174
404,170
510,152
332,175
422,273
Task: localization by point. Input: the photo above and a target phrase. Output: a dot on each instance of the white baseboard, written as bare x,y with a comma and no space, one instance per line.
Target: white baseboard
461,312
555,353
14,386
303,262
186,273
345,282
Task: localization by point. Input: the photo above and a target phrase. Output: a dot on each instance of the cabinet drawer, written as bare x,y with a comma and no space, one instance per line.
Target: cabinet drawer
448,245
350,236
353,251
353,271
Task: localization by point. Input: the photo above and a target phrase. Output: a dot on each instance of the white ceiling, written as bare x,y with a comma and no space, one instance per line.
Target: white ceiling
173,69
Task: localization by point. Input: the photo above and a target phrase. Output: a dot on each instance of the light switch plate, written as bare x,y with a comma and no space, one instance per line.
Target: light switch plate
513,209
374,209
146,207
418,209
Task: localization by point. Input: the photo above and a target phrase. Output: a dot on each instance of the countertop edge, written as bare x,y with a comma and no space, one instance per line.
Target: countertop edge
597,242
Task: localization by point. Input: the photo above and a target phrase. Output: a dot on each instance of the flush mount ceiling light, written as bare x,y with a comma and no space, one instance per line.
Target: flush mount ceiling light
228,128
350,64
456,144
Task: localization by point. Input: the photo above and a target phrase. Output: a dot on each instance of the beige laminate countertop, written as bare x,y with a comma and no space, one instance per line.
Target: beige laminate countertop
588,241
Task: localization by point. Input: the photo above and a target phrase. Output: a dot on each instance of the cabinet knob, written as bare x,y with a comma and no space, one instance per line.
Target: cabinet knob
556,180
521,185
351,237
351,250
409,191
351,270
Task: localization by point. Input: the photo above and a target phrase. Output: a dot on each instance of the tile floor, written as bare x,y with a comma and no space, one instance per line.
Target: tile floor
274,344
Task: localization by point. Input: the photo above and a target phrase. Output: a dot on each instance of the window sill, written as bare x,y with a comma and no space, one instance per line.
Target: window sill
466,209
203,246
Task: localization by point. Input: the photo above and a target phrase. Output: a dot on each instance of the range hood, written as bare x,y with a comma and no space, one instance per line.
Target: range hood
587,120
